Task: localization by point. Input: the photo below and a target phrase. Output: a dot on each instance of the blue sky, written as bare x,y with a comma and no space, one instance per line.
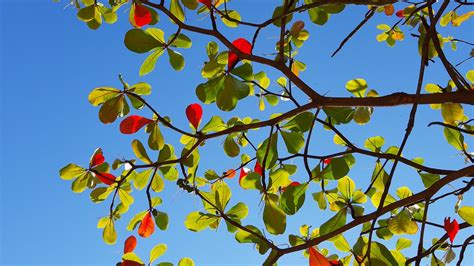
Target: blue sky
51,61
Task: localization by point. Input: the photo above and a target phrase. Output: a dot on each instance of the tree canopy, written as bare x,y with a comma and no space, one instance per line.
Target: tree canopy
276,157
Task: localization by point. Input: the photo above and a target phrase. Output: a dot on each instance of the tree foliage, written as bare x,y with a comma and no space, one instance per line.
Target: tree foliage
279,163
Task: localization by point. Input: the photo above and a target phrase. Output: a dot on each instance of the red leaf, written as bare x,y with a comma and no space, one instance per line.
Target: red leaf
327,161
130,244
141,15
292,184
243,173
147,226
97,158
207,3
106,178
133,123
243,46
130,263
452,228
258,169
194,114
317,259
400,13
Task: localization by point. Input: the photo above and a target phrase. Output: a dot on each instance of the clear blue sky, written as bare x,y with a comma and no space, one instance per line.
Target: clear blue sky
49,63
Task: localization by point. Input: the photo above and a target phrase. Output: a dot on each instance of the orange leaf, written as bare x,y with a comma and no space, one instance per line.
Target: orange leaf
147,226
230,173
389,10
317,259
130,244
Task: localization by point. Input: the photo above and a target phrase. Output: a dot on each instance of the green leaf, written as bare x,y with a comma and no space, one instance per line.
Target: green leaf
230,147
357,87
362,115
87,13
109,234
157,251
292,198
294,141
164,264
239,211
334,223
272,154
470,75
161,220
155,140
80,184
157,184
245,237
113,108
452,112
244,71
454,137
341,243
429,179
339,115
273,217
226,98
100,194
279,179
176,60
380,175
346,187
320,199
251,181
141,179
374,143
318,15
198,221
402,224
216,124
140,41
176,10
191,4
102,94
403,243
130,256
149,63
301,122
333,9
140,152
181,41
380,255
222,194
378,196
403,192
232,14
71,171
339,167
125,197
467,214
